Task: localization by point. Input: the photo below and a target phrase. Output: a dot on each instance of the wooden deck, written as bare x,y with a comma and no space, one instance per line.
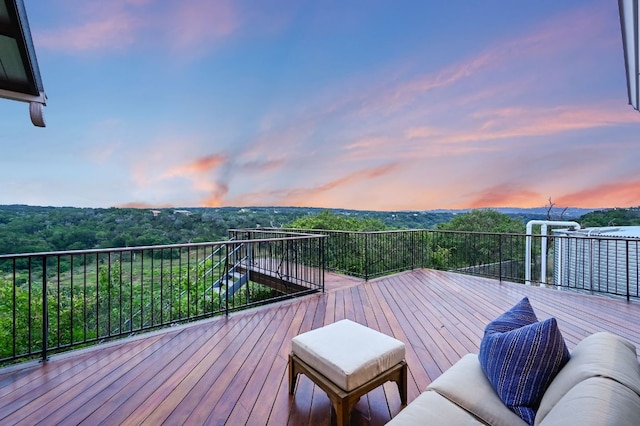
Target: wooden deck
233,370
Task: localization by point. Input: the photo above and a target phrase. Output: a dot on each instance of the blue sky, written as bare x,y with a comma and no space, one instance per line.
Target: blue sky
381,105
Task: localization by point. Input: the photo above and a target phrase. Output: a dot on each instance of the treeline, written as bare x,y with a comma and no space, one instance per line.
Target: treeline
30,229
611,217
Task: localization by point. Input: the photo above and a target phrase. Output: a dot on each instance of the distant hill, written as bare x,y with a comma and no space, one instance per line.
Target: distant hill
539,212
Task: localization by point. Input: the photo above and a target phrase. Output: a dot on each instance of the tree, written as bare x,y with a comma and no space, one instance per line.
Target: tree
492,248
483,221
550,207
331,221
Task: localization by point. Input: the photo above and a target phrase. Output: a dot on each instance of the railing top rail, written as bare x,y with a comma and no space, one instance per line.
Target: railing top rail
161,247
538,236
335,231
446,231
285,231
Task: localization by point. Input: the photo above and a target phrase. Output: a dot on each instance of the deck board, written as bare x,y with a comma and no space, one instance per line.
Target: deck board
234,370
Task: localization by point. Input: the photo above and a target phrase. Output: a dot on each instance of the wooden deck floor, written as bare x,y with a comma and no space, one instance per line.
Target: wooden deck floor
233,370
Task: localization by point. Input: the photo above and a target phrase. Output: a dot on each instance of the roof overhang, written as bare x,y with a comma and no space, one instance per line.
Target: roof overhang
19,73
629,16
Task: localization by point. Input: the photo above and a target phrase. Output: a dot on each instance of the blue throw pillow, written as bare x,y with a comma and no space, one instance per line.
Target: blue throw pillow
520,356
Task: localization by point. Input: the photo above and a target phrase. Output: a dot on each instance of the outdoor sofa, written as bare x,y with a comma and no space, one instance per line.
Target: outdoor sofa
598,383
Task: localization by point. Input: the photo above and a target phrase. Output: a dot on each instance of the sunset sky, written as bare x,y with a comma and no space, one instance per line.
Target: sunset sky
373,105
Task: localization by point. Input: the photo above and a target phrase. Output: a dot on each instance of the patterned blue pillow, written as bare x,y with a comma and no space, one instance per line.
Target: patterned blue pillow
520,356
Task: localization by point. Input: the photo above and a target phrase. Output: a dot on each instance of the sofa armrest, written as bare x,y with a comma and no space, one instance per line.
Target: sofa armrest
466,385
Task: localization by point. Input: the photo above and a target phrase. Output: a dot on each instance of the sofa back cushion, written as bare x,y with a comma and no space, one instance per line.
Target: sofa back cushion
599,355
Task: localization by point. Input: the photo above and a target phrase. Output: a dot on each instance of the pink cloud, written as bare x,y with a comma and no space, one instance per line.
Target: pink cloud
201,173
511,123
216,196
93,25
110,31
319,195
504,194
200,165
609,194
194,23
516,57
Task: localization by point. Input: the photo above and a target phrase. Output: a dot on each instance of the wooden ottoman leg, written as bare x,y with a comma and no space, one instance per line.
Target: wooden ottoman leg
343,411
402,385
293,375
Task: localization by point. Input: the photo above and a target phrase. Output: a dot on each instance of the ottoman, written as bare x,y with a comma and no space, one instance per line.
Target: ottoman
347,360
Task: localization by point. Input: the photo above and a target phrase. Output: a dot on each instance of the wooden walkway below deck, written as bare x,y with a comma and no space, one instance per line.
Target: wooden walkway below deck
234,370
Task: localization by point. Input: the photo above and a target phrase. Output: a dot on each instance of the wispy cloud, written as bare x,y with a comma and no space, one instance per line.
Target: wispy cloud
206,175
622,193
323,194
401,122
94,26
525,122
200,22
482,130
503,195
200,165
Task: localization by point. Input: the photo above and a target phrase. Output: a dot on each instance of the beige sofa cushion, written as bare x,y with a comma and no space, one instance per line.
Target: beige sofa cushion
466,385
596,401
347,353
430,408
601,354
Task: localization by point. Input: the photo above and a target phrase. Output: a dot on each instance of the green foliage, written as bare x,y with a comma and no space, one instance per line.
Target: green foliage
484,221
440,258
116,297
489,250
332,221
611,217
31,229
27,312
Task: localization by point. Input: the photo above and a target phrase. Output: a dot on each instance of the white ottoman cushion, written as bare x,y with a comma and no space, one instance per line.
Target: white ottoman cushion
347,353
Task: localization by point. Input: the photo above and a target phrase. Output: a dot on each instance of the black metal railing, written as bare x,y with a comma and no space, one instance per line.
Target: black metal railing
56,301
589,264
50,302
372,254
597,265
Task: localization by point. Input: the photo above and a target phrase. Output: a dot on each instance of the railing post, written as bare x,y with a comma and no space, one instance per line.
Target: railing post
500,257
366,256
627,269
322,260
226,281
45,310
412,245
287,258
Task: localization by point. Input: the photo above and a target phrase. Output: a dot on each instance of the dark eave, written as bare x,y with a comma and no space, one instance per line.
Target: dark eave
19,72
629,16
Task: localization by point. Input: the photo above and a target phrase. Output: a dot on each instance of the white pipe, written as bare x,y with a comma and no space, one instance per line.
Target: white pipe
543,231
543,256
